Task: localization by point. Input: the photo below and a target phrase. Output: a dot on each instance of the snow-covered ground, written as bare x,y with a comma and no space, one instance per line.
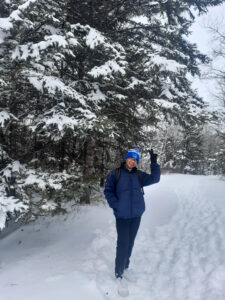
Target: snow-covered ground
179,251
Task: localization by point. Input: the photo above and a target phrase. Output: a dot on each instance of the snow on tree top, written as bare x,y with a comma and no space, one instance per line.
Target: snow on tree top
140,19
4,116
166,64
54,84
33,50
5,24
166,104
107,69
96,95
94,38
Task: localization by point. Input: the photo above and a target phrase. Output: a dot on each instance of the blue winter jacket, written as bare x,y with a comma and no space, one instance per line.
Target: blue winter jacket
126,198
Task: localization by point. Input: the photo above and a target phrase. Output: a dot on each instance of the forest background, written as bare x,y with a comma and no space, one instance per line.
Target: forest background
83,81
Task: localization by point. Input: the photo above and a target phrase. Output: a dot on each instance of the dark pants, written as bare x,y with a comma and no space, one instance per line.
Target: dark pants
126,232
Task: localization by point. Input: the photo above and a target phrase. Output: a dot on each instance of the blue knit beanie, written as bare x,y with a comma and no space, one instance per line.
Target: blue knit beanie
134,153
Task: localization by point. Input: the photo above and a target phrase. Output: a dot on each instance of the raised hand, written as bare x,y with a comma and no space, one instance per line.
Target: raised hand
153,156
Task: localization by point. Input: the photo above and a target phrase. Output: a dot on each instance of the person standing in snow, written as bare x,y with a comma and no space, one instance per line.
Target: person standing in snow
124,194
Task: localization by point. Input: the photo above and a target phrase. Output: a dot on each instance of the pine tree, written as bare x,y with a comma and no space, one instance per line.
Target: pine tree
83,80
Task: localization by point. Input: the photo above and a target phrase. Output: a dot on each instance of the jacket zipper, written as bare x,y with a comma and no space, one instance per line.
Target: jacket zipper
131,210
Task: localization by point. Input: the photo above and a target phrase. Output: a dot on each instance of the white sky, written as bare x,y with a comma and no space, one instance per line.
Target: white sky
203,38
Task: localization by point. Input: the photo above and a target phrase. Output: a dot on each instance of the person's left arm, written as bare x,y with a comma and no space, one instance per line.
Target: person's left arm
154,177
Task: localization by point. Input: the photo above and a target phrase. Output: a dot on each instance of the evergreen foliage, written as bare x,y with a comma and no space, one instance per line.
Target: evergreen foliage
83,80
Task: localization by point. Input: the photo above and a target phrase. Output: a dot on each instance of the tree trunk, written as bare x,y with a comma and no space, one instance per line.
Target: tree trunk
88,170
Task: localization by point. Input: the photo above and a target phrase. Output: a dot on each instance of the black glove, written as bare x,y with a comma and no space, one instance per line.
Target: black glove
153,156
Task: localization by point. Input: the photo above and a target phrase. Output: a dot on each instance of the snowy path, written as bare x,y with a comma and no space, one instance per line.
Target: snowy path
178,254
183,259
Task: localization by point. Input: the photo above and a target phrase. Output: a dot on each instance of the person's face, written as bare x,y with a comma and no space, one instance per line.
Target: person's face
131,162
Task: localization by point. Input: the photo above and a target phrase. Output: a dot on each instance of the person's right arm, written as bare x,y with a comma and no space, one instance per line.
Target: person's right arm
109,190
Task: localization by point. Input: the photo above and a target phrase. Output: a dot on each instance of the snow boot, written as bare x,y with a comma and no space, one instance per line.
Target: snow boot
122,287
